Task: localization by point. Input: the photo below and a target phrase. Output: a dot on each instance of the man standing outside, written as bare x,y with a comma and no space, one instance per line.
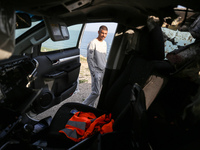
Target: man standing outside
96,58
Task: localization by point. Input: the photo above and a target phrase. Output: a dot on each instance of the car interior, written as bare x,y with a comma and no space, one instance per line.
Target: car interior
151,81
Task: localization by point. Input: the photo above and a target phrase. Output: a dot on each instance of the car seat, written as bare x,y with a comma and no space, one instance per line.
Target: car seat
125,100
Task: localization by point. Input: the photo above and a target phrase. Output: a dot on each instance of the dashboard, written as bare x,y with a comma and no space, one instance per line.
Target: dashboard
14,80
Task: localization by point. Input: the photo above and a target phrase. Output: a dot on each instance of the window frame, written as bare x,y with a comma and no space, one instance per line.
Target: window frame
77,43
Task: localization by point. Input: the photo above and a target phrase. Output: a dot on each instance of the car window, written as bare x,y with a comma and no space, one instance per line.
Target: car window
175,38
19,32
91,32
74,32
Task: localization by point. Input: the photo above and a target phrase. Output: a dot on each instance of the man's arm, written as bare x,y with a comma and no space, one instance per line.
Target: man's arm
90,57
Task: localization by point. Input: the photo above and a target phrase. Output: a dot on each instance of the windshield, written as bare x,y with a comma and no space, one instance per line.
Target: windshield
19,32
175,39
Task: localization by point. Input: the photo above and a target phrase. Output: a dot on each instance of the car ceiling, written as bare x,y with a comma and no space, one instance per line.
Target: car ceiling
129,12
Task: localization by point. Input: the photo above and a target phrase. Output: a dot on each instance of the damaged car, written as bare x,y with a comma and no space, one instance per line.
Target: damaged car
150,98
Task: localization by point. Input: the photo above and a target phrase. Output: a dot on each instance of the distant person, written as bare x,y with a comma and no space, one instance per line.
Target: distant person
96,58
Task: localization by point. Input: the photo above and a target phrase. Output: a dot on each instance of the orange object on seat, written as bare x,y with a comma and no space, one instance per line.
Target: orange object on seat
84,124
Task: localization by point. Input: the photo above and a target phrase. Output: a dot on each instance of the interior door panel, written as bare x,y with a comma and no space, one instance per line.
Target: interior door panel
57,74
40,74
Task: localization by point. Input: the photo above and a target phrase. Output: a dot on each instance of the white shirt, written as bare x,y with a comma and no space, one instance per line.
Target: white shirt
96,55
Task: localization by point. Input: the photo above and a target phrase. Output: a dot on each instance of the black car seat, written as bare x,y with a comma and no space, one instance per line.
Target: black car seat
125,100
147,66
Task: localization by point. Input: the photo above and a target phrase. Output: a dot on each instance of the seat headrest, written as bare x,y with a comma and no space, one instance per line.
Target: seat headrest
151,43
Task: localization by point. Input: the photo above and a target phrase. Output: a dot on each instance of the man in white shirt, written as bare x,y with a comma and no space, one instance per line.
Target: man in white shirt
96,58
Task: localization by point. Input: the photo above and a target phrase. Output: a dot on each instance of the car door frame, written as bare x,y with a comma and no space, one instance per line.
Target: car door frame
61,66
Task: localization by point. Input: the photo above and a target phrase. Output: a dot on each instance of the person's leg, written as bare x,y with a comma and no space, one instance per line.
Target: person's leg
100,87
96,88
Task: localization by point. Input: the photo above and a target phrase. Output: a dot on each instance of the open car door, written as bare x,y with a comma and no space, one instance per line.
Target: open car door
44,69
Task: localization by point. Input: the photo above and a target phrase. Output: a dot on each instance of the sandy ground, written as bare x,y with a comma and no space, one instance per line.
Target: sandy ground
83,91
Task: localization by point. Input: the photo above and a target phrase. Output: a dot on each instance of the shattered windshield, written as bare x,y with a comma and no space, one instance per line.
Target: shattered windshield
180,31
175,38
182,36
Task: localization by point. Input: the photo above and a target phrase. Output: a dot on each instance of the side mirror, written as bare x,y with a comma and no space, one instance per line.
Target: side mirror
58,30
23,20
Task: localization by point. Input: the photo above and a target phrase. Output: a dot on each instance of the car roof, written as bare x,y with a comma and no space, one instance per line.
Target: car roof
129,12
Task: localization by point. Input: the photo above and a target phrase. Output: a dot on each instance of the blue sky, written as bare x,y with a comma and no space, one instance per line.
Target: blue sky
95,26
